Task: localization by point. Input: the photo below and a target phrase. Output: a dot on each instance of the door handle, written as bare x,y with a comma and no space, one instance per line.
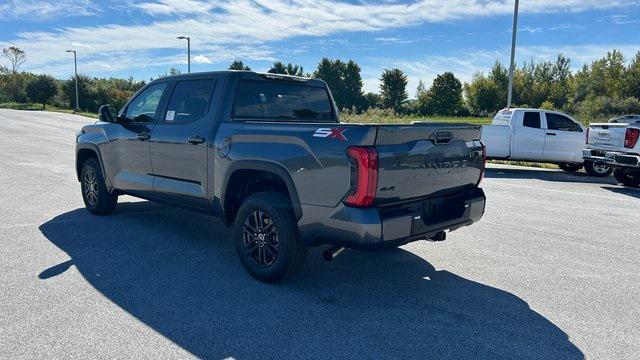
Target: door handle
143,136
195,140
551,134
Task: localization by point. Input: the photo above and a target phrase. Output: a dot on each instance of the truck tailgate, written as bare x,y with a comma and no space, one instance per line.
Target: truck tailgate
427,159
607,136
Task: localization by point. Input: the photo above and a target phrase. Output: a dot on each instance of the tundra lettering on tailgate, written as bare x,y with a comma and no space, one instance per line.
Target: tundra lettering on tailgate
445,167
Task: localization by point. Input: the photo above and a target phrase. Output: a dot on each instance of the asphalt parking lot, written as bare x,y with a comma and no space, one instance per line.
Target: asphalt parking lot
551,271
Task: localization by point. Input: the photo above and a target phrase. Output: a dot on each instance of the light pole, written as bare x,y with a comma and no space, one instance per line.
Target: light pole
188,51
513,54
75,70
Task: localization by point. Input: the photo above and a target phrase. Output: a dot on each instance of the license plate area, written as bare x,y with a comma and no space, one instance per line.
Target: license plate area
437,211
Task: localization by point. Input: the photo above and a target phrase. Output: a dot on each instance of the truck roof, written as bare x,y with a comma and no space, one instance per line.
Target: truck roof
249,75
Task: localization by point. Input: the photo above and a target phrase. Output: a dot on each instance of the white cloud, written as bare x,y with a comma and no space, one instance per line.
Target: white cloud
393,40
201,59
531,30
168,7
39,10
246,28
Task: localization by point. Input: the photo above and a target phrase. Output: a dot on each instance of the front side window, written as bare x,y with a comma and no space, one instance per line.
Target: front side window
561,123
190,101
531,120
144,107
281,101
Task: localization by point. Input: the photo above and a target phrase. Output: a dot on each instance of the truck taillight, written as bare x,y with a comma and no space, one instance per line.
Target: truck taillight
366,159
631,138
484,163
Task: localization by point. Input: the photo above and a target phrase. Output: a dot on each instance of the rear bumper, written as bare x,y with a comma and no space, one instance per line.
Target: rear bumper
370,229
613,158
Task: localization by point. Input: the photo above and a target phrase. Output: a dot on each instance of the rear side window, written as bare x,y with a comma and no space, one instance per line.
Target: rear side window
561,123
189,101
531,120
281,101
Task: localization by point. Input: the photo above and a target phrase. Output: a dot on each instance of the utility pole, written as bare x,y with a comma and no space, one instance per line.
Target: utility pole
513,53
188,51
75,71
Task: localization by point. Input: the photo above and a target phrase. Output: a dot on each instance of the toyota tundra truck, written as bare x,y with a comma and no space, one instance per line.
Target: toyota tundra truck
268,155
616,144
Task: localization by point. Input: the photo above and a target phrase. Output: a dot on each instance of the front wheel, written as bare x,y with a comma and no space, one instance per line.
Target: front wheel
627,177
569,167
97,198
266,237
597,169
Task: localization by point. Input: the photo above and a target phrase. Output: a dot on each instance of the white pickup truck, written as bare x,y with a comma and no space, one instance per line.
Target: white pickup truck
618,145
540,136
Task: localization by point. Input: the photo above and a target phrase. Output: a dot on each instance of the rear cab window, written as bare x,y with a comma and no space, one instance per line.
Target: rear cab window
285,101
190,101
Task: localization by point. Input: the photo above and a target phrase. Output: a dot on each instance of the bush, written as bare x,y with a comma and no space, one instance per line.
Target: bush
42,89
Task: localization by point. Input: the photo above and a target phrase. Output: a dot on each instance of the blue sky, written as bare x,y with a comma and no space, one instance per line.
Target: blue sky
125,38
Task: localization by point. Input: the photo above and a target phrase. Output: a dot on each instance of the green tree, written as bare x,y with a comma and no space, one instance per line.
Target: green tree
353,95
372,100
421,89
483,96
444,97
16,57
280,68
42,89
238,65
393,86
344,81
632,78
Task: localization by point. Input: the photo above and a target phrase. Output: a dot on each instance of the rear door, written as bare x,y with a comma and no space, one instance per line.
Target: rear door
528,136
179,142
564,139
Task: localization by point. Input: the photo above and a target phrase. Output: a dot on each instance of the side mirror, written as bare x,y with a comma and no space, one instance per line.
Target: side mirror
107,113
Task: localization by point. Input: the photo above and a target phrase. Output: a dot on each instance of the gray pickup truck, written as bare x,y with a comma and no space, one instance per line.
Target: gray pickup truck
268,155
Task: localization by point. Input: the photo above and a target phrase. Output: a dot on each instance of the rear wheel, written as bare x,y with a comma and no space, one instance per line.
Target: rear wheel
569,167
97,198
266,237
597,169
628,178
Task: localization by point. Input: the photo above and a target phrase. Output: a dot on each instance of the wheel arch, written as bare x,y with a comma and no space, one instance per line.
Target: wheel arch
88,151
262,169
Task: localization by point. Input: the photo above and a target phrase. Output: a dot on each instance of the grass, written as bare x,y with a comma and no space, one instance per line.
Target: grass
377,116
38,107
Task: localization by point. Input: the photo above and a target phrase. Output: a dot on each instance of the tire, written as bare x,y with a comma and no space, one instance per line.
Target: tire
597,170
97,198
627,177
278,253
569,167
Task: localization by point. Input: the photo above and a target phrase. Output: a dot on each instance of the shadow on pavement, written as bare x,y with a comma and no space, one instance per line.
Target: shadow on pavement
624,191
547,175
177,272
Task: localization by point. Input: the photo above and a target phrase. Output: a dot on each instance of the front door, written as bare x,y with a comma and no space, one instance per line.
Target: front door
528,139
129,141
564,139
178,144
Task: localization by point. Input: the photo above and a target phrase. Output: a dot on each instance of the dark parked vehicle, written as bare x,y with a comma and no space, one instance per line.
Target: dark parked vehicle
267,154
